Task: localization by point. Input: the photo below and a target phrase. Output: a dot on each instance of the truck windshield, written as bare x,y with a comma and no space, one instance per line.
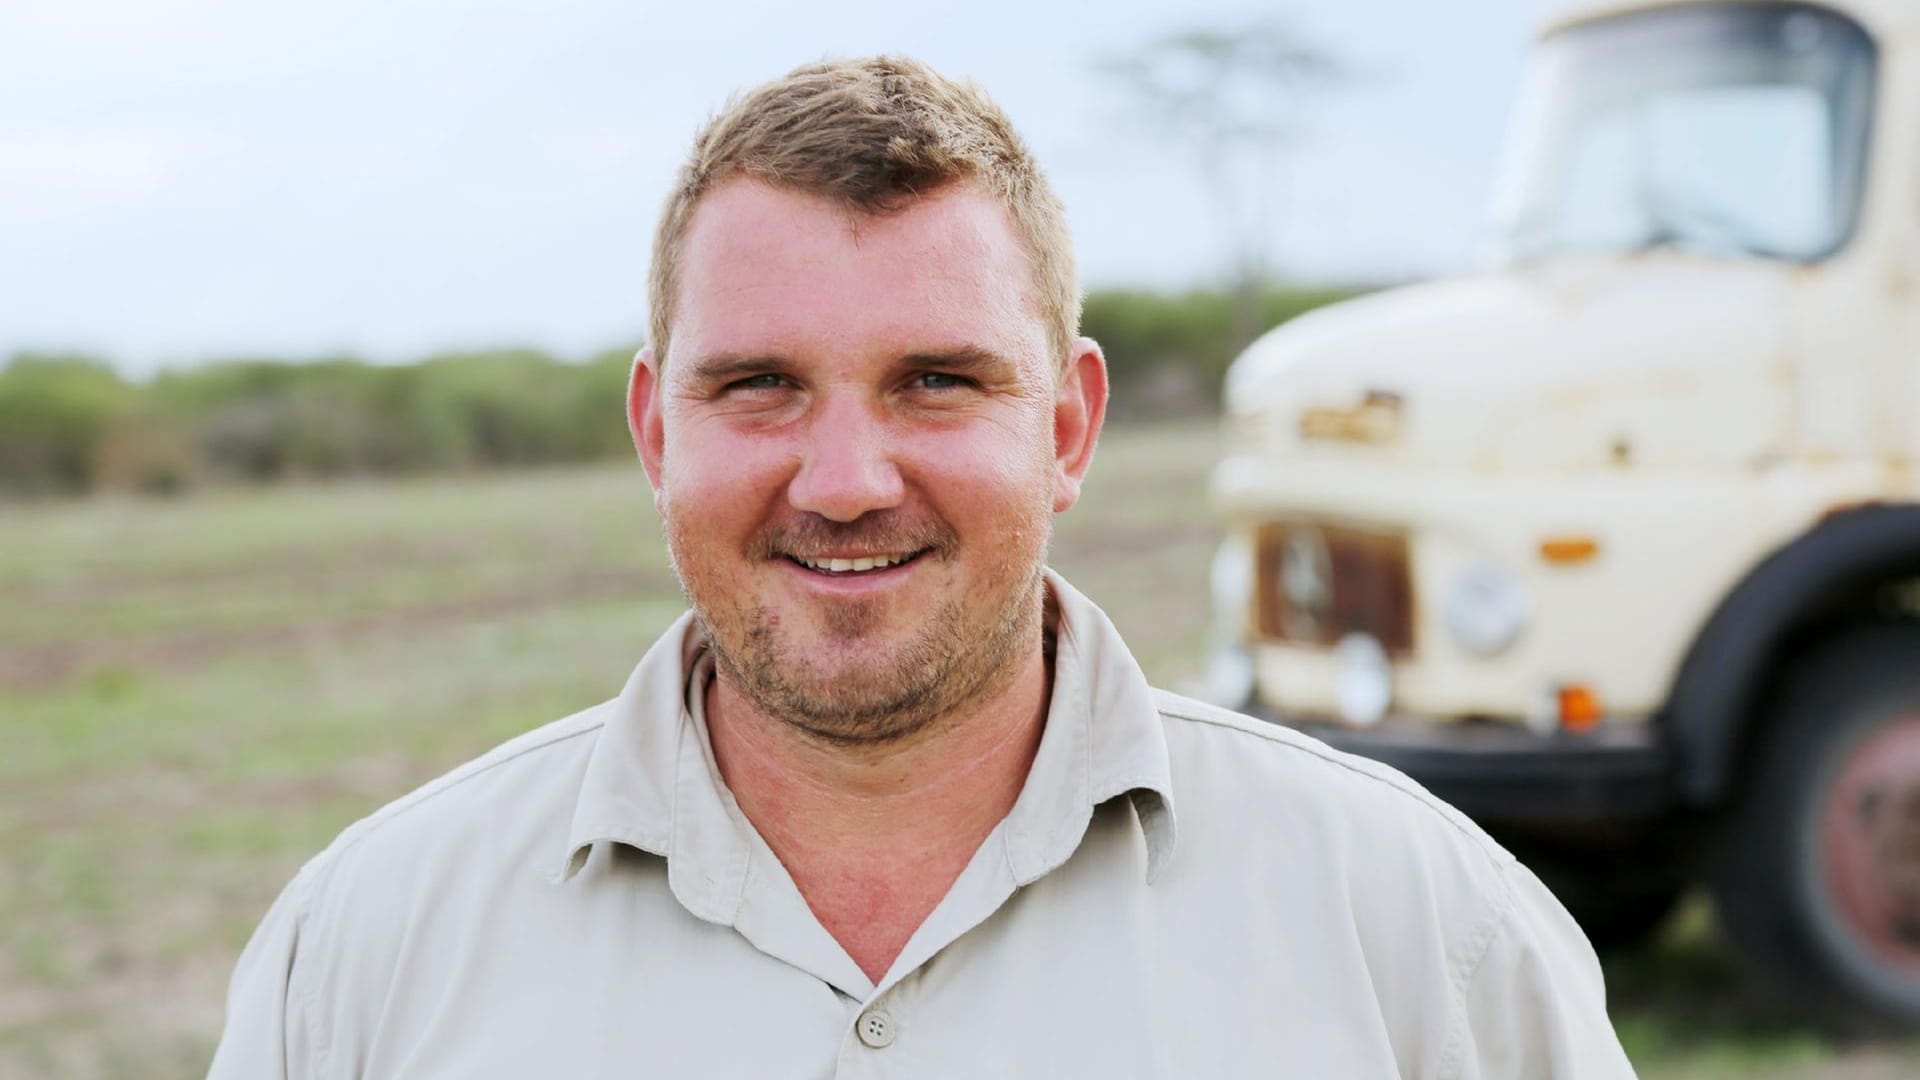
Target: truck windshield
1736,129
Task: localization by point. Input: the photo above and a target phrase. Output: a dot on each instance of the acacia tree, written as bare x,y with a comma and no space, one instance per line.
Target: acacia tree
1234,98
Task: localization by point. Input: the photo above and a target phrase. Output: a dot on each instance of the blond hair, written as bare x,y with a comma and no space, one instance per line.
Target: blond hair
873,134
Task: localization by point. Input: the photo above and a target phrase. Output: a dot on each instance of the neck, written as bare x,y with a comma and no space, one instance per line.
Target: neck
874,835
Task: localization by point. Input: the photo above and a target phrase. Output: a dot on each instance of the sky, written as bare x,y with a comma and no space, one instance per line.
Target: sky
184,180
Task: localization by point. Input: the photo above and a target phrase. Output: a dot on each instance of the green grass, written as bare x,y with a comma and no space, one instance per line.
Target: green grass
195,695
1684,1012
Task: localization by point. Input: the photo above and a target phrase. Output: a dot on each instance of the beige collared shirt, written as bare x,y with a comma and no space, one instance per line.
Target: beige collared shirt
588,901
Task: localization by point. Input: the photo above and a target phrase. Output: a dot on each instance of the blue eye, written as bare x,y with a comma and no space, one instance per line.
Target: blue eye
759,382
938,380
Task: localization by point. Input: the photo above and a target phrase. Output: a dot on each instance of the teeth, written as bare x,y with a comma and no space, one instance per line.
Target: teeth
843,566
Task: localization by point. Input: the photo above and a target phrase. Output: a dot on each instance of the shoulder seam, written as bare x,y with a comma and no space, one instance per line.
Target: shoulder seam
1177,707
313,877
447,781
1496,917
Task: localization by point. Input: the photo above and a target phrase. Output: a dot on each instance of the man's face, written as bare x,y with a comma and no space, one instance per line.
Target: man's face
857,446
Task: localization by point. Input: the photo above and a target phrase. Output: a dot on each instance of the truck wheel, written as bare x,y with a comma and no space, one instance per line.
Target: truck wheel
1818,878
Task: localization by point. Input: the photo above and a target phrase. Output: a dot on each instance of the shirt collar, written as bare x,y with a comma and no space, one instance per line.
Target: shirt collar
1104,738
650,782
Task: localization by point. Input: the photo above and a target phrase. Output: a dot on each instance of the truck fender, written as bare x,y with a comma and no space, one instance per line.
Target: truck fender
1841,560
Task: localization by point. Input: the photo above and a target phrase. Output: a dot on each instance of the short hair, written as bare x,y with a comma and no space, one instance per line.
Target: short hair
873,134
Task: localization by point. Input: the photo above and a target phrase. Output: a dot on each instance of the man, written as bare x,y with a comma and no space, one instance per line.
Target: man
893,799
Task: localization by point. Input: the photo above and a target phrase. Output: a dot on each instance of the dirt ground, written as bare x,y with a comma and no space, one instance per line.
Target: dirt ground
196,695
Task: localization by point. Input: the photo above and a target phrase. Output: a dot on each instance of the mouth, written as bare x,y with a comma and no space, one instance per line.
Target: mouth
855,565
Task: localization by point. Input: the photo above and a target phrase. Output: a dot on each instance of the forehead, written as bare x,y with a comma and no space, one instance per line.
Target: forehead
769,270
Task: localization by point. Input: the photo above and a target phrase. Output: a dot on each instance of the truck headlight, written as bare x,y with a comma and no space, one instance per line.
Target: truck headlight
1363,691
1485,609
1229,679
1230,583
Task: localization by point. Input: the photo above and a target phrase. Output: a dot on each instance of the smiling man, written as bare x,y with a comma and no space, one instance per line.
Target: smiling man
893,799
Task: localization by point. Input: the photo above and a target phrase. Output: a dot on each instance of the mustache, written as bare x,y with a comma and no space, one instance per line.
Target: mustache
812,536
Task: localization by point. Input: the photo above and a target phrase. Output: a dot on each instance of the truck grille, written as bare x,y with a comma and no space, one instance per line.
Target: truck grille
1318,583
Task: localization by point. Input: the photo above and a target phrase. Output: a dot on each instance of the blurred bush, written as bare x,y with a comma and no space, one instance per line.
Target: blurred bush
55,413
71,424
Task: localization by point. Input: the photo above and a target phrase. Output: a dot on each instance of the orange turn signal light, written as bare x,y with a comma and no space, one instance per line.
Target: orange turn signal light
1580,708
1568,550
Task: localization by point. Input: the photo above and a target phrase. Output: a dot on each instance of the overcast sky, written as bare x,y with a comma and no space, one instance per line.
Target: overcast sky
186,179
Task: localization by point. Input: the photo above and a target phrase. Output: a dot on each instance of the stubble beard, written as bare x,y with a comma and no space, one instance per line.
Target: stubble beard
953,658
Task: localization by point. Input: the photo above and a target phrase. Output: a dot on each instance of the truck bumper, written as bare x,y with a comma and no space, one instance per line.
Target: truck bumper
1499,773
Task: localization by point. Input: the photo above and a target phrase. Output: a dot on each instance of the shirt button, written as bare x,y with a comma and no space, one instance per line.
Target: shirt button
876,1028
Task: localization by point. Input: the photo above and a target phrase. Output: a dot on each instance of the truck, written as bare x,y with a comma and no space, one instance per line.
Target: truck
1614,543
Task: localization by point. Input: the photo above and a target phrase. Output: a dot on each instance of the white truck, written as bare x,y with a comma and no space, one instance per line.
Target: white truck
1616,545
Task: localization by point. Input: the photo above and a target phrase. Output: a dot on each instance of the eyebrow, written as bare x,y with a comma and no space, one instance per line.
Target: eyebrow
725,367
961,360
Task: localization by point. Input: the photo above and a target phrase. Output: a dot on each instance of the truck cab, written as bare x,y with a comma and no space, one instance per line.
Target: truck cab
1615,544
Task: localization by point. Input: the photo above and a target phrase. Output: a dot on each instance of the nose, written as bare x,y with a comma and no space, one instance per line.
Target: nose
847,467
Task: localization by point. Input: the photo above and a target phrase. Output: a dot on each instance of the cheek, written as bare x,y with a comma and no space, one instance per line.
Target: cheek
988,468
711,450
711,473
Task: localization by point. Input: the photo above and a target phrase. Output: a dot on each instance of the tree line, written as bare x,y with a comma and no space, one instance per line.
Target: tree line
72,424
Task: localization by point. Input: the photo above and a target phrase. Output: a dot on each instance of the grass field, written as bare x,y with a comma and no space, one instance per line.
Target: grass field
196,695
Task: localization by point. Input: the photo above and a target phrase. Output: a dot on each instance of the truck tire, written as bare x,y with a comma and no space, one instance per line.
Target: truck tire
1817,877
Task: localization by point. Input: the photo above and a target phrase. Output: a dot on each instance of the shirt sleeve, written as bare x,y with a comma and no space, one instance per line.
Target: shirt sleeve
1536,1005
264,1038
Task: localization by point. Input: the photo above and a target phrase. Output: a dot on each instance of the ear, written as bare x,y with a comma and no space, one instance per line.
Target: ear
643,415
1079,408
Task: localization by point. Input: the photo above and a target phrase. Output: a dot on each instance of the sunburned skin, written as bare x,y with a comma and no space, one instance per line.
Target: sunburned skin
857,447
874,839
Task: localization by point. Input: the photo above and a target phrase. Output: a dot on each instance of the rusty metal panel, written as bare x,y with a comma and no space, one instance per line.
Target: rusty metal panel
1316,583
